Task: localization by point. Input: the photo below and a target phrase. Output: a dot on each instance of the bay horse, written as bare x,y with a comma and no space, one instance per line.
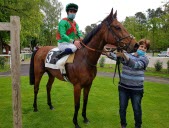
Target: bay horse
82,71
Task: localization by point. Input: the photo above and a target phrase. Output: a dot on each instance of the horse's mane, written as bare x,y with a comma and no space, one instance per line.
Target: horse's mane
89,36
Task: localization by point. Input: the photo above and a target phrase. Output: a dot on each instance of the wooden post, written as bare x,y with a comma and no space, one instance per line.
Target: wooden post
15,70
14,28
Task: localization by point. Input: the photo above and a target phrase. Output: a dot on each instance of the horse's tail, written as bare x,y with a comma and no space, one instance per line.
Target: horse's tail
31,70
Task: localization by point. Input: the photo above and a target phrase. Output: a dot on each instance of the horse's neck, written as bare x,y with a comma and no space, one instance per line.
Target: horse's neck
93,56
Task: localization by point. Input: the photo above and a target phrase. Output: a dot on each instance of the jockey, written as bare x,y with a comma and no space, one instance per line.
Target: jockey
68,32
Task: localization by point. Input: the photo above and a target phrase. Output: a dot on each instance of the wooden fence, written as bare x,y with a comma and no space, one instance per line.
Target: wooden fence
14,28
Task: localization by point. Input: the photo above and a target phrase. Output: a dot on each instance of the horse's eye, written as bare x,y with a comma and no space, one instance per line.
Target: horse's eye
117,27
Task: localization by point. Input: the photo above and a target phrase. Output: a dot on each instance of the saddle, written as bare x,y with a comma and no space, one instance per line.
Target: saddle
55,60
52,57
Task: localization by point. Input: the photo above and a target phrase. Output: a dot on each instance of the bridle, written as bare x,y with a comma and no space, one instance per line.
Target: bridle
119,40
119,48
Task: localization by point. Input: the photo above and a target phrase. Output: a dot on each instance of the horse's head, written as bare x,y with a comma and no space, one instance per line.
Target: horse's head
116,34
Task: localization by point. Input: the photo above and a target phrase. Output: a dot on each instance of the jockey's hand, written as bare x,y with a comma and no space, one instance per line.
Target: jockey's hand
81,38
77,44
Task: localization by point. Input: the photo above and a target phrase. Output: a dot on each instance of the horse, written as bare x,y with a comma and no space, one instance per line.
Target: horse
83,70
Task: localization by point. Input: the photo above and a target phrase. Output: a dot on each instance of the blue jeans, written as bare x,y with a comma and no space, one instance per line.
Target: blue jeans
136,97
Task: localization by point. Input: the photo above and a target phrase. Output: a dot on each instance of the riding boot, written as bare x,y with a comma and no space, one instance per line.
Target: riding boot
62,54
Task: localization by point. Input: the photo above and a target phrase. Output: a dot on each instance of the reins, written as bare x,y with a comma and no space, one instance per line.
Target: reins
117,67
92,49
119,48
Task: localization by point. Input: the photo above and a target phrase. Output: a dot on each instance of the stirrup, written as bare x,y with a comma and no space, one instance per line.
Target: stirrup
65,77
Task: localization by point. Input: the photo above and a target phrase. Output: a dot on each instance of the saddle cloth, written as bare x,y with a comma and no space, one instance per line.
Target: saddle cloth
60,64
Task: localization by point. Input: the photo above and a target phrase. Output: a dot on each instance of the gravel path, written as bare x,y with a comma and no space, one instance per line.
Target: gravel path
25,72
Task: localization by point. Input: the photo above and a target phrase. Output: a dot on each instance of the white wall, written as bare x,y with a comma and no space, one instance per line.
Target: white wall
153,60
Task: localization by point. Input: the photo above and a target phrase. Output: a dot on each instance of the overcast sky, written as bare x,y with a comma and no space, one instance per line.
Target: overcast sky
92,11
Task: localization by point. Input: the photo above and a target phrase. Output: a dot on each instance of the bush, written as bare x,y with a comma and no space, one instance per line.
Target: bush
2,62
158,65
102,62
168,66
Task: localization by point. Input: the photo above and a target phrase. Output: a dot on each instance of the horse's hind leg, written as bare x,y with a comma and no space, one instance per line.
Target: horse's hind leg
36,89
85,100
48,89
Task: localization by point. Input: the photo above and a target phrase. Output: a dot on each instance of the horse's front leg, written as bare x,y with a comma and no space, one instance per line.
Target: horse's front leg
85,100
48,89
77,93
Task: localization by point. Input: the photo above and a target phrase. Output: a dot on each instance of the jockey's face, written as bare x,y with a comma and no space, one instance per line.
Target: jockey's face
72,11
71,14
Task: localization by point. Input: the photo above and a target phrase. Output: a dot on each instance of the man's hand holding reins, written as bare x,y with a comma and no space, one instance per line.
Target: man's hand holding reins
77,44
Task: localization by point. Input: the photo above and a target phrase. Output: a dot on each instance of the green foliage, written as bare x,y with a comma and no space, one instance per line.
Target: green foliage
2,62
29,13
102,61
36,17
153,25
158,65
52,10
88,28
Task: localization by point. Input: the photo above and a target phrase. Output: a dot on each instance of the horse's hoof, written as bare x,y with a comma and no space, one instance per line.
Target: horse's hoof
52,108
86,121
77,126
35,110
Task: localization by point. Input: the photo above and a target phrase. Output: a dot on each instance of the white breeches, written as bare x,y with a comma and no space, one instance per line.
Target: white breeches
65,45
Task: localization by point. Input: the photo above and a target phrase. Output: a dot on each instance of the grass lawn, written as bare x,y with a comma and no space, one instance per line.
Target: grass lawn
102,110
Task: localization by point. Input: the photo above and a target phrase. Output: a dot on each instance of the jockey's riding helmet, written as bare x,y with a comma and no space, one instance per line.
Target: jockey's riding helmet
71,6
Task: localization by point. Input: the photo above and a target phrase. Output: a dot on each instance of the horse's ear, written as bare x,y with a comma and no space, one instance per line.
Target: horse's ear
115,15
110,16
111,13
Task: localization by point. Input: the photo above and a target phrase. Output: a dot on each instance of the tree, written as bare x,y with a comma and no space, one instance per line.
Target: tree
130,24
140,17
141,24
154,27
39,19
88,28
30,17
52,12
